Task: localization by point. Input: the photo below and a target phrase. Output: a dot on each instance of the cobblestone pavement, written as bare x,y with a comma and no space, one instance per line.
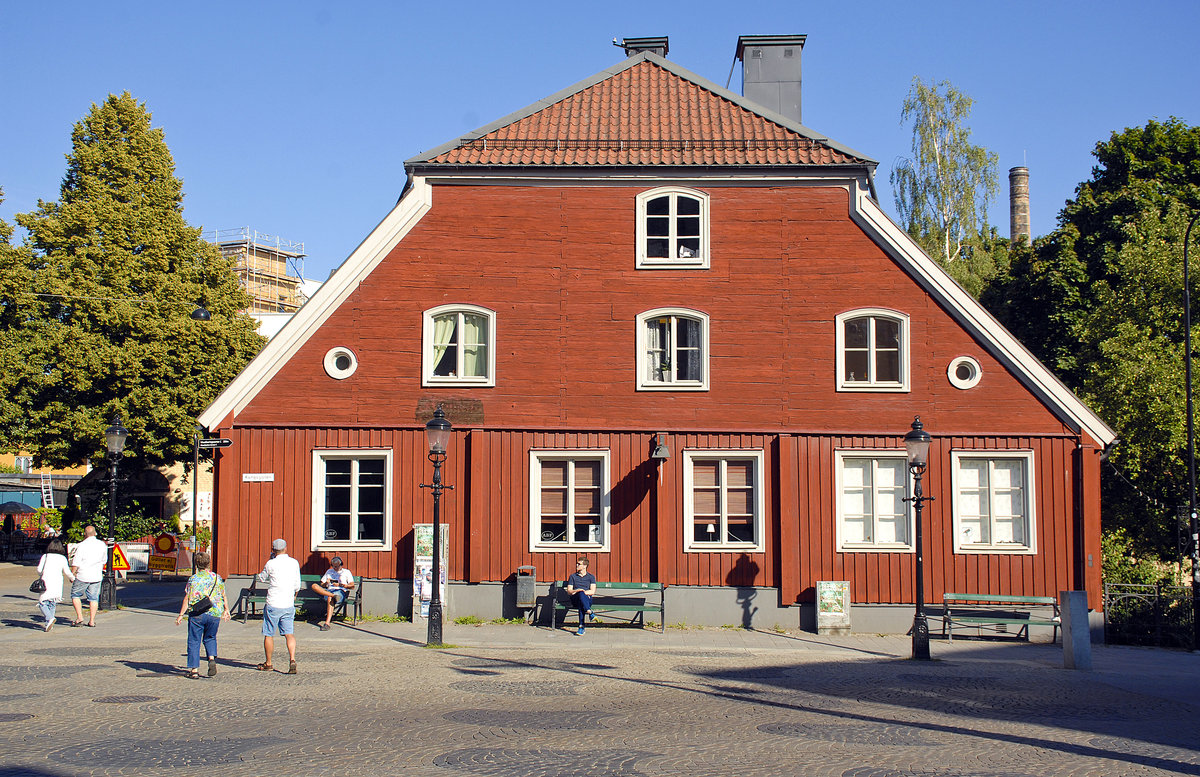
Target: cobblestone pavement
515,700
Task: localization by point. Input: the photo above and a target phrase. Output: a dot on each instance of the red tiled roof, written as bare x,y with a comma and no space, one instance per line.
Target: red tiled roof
643,115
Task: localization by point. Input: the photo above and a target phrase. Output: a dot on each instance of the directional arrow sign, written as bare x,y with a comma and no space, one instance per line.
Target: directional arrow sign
218,442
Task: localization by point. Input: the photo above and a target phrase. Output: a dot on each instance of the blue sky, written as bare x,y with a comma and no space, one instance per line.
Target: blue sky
295,118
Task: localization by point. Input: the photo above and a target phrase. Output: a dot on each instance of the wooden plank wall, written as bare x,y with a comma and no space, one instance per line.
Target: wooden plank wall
877,577
487,512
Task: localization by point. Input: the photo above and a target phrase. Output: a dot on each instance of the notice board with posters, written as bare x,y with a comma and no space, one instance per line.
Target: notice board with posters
423,566
833,607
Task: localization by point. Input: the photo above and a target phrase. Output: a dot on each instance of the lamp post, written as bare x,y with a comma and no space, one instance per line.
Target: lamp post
916,445
1193,527
437,432
114,439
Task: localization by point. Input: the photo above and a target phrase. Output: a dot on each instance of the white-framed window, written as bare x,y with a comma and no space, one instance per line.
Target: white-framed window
459,346
352,499
340,363
872,513
993,502
672,228
23,464
672,347
964,372
568,500
723,500
872,350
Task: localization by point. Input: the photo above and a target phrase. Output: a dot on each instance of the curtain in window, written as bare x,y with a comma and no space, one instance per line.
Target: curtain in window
443,338
474,346
658,368
688,355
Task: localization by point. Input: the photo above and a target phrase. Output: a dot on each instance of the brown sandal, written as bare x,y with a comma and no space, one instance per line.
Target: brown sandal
264,667
292,668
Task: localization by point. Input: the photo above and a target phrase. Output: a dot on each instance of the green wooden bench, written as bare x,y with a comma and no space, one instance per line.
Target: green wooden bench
981,610
252,597
615,597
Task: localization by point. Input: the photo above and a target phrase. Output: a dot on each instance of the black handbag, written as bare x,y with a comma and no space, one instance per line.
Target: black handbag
203,604
38,586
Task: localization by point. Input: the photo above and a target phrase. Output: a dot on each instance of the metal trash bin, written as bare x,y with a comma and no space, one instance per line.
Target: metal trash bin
526,587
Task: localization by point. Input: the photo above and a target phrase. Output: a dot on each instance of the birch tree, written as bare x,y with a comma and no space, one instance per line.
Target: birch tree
942,191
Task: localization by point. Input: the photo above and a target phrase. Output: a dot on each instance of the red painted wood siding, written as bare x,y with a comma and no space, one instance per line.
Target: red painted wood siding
487,512
557,265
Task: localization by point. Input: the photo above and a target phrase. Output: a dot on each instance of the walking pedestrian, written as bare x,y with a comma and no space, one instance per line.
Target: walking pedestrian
203,587
282,575
88,566
53,567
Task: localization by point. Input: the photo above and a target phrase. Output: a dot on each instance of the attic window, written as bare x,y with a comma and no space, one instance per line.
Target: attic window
672,228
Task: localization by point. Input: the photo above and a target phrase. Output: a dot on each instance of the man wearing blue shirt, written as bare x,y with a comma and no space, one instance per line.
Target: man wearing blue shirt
581,586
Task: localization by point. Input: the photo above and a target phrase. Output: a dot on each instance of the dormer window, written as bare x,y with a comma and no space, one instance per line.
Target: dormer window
672,226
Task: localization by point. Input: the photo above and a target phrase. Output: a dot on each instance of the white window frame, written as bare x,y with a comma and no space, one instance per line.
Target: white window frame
875,455
536,457
1029,547
872,385
674,192
690,457
644,383
428,362
320,456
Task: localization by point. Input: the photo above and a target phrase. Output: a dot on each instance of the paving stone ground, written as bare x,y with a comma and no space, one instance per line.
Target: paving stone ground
517,700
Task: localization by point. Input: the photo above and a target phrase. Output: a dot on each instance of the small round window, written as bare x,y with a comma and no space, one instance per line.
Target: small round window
340,363
964,372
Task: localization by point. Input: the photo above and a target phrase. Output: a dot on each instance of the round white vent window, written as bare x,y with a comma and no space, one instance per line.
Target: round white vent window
964,372
340,363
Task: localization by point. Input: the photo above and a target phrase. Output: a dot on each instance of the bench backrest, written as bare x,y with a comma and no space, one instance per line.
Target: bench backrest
622,586
1006,598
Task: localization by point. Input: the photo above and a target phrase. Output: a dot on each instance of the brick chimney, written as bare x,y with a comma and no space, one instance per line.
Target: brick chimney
771,71
1018,206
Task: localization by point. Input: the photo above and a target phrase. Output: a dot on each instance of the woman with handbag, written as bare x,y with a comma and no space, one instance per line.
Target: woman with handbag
52,568
205,607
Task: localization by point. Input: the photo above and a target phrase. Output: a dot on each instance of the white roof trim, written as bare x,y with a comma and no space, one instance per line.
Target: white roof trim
976,319
284,345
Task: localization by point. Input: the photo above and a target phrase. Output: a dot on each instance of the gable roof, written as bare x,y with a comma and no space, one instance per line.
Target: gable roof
646,110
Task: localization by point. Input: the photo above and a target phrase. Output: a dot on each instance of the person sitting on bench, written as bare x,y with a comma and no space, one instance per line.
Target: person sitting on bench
581,586
334,585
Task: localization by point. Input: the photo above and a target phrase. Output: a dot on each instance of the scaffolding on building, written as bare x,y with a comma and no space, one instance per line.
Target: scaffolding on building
269,268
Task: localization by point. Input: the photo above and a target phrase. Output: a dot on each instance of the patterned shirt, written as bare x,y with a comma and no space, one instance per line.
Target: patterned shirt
208,584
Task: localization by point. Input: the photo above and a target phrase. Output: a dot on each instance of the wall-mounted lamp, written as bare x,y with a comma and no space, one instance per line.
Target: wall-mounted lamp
661,451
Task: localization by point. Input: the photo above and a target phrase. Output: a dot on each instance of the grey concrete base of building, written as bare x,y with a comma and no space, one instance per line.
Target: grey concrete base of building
752,608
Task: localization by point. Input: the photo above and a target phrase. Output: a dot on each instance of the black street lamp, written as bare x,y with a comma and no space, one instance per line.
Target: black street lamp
1191,447
916,444
437,432
114,439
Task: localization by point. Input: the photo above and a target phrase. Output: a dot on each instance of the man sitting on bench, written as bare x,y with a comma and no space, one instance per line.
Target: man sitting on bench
581,587
334,585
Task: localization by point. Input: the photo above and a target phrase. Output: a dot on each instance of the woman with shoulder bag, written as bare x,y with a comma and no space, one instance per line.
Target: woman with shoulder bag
52,567
205,607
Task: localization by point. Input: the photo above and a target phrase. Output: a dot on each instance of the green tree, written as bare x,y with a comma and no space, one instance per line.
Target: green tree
943,190
99,316
1101,302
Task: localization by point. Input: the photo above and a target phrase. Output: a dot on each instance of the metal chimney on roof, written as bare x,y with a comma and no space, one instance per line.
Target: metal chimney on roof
634,46
1019,228
771,71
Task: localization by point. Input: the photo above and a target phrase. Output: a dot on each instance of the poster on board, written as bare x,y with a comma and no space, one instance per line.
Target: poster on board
423,566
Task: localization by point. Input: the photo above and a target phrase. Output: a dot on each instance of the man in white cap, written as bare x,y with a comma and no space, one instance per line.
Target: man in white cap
282,576
335,584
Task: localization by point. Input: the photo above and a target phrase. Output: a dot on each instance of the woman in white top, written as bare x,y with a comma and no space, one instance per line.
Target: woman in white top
53,567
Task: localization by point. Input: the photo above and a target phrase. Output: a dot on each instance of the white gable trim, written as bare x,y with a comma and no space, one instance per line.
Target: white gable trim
411,208
976,319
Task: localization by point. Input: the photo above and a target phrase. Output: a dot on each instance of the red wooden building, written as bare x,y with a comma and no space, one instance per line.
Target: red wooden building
674,332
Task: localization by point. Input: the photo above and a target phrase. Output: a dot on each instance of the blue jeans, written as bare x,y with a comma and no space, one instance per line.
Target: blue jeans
201,628
583,603
48,607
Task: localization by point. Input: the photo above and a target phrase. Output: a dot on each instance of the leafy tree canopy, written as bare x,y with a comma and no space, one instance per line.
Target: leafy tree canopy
943,190
1101,302
95,307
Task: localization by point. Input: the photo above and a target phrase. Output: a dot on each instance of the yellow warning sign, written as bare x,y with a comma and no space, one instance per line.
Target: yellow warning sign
120,562
159,563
